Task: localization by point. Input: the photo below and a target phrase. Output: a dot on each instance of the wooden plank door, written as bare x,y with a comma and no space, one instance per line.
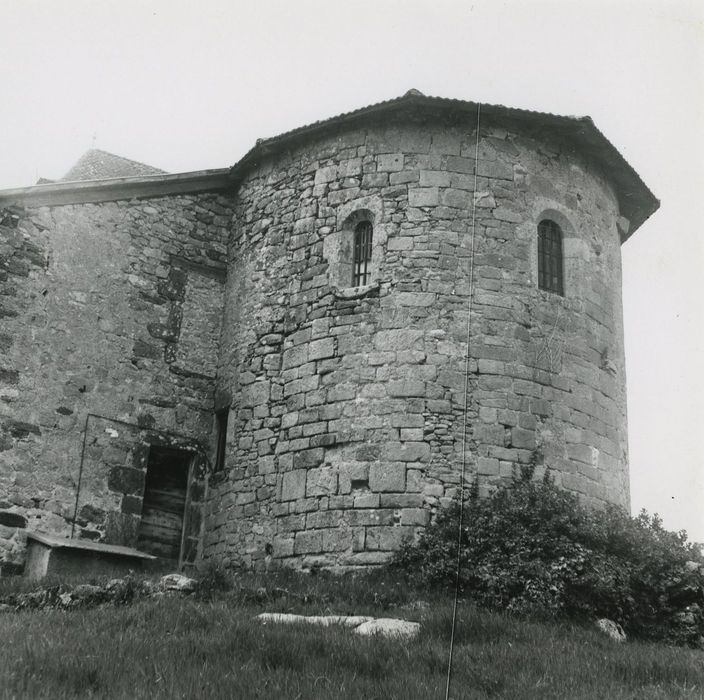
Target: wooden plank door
165,491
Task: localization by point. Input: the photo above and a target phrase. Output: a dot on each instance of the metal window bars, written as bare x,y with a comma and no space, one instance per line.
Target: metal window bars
362,254
550,277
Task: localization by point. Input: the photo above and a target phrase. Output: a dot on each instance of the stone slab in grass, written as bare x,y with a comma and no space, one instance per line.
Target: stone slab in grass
366,626
322,620
389,627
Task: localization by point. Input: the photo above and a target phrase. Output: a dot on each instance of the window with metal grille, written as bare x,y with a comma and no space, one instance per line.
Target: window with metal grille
362,253
550,257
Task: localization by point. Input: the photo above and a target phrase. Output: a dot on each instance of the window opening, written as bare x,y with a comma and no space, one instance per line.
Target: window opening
550,277
362,253
221,419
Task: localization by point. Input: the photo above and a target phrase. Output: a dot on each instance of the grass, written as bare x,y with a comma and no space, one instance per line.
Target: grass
188,648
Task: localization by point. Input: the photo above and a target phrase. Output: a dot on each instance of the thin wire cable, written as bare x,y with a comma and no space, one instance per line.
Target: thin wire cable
466,398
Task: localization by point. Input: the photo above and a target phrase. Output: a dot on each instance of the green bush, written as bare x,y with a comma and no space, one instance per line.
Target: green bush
532,548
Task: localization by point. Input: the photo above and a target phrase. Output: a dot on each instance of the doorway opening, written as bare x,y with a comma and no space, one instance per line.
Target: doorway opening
165,492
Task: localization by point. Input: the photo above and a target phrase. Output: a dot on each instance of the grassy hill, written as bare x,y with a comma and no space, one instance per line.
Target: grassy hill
212,647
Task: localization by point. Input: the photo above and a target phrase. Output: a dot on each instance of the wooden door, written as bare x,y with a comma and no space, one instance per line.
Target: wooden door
165,490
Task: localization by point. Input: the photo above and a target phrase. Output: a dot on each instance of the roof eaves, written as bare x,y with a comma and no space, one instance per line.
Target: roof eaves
637,206
112,189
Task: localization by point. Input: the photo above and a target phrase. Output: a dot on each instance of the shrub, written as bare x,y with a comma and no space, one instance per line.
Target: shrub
532,548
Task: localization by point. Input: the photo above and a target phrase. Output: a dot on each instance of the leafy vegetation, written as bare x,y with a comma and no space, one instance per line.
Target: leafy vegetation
528,552
532,548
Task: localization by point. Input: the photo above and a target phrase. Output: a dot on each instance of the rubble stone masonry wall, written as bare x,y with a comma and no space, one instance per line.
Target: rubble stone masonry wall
124,325
112,309
347,421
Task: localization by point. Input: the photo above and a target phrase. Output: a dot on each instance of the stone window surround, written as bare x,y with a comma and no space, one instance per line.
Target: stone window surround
569,236
338,245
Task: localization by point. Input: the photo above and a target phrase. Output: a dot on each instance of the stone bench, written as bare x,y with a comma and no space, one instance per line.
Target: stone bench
48,555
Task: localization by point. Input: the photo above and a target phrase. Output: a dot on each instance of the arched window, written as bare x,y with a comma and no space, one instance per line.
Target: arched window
550,276
362,259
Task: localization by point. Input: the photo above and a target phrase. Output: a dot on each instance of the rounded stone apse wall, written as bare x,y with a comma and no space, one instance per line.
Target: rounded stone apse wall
347,362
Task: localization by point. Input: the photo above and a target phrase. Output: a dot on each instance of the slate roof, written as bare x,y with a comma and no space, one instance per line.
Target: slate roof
636,201
95,164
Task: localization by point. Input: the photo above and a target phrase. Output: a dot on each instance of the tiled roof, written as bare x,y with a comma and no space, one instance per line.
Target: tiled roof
636,201
100,165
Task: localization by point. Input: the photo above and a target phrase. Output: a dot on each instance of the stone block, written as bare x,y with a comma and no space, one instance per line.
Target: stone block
490,434
423,299
460,164
400,243
323,519
509,215
424,197
303,385
367,500
397,339
415,516
324,440
540,407
321,482
582,453
342,392
488,415
488,466
293,485
389,162
495,169
406,387
385,537
326,174
521,438
414,434
406,420
295,356
387,477
406,451
308,542
439,406
404,177
255,394
401,500
434,178
336,540
283,545
308,458
459,199
321,349
491,366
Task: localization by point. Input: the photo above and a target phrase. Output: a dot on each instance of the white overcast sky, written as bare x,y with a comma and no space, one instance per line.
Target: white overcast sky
191,85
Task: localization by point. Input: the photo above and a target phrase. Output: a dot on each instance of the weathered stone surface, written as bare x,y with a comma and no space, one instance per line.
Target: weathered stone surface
611,629
321,620
178,582
387,477
365,626
346,403
389,627
126,480
293,485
